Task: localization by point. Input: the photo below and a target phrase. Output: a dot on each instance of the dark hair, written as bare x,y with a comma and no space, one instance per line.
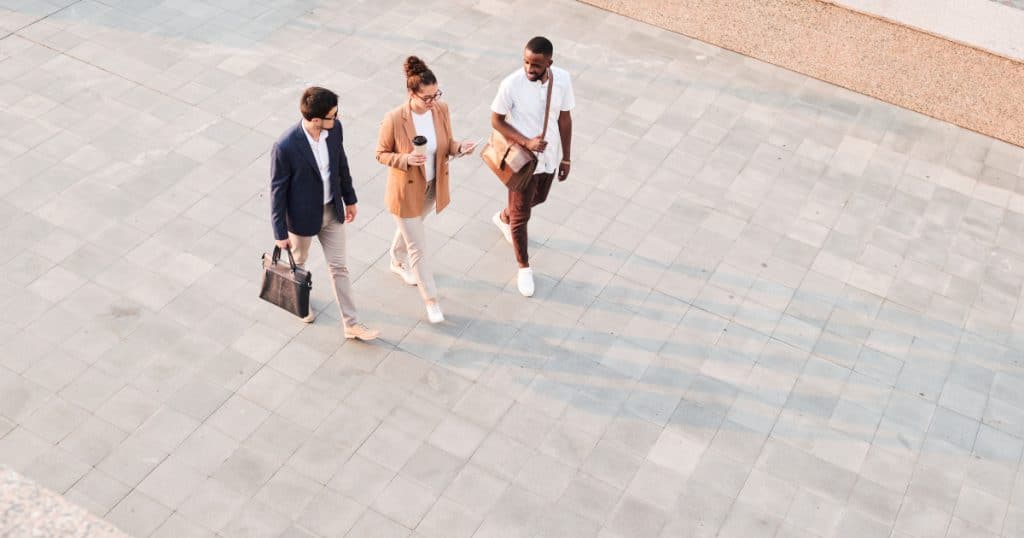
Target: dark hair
417,74
317,102
540,45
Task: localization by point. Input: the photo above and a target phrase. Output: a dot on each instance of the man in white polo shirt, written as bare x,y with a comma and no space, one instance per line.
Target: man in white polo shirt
518,114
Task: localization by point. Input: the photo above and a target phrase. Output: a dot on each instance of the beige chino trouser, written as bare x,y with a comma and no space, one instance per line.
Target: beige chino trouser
332,239
409,246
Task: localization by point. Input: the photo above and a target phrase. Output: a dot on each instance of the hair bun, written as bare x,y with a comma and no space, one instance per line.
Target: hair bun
414,66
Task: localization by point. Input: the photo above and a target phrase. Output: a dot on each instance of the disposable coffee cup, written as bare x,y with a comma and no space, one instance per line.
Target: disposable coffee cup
419,145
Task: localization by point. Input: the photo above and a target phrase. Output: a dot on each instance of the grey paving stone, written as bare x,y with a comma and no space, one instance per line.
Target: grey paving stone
238,417
447,518
55,419
171,483
633,517
167,428
138,514
509,518
132,460
177,525
247,470
330,514
981,509
213,505
205,449
918,519
257,519
57,469
405,501
433,467
501,455
476,489
612,465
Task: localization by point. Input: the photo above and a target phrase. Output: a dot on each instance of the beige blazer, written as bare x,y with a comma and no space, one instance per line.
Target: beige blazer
406,191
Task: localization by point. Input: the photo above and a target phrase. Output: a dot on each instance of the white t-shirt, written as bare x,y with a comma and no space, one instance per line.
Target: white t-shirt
522,103
424,124
323,161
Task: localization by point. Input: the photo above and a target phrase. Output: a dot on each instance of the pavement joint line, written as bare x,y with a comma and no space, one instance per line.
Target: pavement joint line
44,17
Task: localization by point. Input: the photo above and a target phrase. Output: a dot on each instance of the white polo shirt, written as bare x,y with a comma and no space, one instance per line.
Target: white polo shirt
522,103
323,160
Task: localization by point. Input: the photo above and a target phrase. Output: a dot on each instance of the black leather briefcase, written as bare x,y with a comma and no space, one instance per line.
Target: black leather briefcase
286,285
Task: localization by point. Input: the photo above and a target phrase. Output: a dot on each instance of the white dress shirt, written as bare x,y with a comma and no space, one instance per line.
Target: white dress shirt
323,161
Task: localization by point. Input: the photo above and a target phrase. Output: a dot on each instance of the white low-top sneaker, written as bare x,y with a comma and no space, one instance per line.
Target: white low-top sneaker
525,281
434,313
403,273
506,230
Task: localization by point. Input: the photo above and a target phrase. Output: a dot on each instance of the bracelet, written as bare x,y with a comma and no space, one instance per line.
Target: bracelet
566,161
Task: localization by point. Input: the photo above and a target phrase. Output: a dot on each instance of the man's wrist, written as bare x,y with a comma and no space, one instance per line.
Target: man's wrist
566,161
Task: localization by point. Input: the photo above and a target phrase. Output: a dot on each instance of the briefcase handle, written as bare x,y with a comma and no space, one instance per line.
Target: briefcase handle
277,256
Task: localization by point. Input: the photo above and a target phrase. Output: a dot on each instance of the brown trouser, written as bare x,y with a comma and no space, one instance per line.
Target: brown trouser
517,214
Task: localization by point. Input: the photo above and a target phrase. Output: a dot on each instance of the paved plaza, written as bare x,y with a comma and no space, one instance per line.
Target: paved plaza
766,306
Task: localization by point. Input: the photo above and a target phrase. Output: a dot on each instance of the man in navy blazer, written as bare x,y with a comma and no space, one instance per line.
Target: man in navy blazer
311,194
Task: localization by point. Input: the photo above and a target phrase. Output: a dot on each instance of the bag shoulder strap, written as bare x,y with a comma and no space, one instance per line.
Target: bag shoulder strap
547,104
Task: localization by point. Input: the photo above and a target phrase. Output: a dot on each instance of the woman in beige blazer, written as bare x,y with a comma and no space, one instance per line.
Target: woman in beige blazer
417,183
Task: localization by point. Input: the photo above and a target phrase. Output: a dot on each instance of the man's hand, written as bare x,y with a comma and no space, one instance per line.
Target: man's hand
415,159
536,144
350,213
283,244
563,171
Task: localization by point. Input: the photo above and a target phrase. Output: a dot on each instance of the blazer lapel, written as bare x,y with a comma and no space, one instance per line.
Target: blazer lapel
408,125
305,150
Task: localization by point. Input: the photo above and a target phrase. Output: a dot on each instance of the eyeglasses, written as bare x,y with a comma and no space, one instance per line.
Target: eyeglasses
331,119
430,98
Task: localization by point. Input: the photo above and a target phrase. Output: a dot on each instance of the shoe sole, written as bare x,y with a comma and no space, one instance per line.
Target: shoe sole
354,337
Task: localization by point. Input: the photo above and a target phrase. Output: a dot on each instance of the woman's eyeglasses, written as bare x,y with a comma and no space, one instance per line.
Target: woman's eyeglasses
430,98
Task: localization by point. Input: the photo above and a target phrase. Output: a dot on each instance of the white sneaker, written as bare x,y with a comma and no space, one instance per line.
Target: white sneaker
506,230
361,332
310,318
434,313
403,273
525,281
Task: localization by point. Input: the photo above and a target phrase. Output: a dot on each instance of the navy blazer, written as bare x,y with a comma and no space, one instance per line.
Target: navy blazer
296,189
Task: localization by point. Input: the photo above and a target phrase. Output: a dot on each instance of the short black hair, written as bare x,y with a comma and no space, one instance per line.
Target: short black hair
541,45
317,102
